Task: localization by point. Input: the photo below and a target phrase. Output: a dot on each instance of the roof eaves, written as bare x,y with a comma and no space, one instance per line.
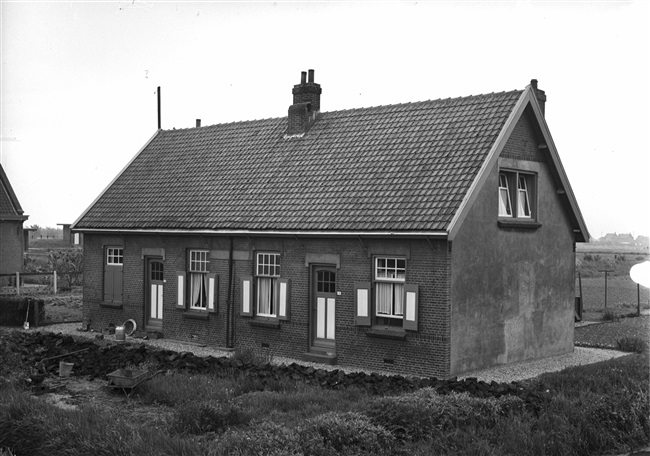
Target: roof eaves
564,180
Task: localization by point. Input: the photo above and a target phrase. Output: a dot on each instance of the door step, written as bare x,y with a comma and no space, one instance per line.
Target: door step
319,357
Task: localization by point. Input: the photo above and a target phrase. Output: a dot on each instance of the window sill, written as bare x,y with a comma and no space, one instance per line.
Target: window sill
195,315
384,332
111,305
264,322
519,224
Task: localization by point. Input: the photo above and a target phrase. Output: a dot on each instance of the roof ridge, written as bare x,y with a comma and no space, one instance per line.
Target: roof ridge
407,103
362,108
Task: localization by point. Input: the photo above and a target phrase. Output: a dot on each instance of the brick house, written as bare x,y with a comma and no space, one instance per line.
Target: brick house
12,237
428,238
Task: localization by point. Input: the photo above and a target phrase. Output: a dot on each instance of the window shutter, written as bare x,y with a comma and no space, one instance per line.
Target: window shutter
362,315
213,292
108,282
411,310
247,296
117,283
180,290
284,299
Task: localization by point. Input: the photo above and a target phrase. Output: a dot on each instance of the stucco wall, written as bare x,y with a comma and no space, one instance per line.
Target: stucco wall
513,288
425,352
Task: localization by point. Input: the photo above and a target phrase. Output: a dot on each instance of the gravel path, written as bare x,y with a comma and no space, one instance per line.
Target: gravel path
509,373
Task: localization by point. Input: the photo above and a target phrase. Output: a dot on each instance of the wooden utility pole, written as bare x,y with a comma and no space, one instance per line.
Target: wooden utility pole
606,271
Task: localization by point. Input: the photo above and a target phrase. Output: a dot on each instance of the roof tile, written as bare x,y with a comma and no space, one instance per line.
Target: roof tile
398,167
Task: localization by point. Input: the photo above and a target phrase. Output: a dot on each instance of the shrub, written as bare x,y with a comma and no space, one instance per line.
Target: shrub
609,315
30,426
250,356
258,438
426,414
631,344
69,265
344,433
207,416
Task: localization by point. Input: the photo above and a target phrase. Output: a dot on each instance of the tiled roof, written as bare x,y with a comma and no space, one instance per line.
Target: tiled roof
400,168
9,205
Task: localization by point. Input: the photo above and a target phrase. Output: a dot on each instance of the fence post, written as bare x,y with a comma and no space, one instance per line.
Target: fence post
18,283
54,278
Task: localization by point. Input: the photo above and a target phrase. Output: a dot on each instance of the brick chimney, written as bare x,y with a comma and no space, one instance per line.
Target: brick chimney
541,96
306,104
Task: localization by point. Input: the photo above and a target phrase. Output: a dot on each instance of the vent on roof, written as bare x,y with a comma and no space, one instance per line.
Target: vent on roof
306,104
541,95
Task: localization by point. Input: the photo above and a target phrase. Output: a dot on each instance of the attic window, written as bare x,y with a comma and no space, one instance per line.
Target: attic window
517,195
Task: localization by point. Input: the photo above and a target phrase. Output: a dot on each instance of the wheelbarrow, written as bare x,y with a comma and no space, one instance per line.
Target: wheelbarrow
128,379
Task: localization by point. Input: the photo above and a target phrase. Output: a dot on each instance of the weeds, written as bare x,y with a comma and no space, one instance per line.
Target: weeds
631,344
609,315
595,409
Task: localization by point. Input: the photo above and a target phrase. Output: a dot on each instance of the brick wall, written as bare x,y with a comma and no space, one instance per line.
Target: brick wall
524,142
11,248
425,352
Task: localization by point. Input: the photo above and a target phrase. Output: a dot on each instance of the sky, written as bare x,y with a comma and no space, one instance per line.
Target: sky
79,79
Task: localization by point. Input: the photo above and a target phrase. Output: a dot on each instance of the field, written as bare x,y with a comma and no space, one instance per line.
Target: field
622,297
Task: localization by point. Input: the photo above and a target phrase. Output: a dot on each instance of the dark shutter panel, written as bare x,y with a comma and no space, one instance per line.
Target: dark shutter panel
108,282
247,296
362,305
180,289
117,283
411,299
213,292
284,299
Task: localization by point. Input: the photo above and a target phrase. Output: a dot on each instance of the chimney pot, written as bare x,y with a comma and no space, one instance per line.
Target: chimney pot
306,104
198,122
540,95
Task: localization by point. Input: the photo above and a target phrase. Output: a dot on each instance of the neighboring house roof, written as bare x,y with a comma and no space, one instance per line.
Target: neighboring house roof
399,169
9,206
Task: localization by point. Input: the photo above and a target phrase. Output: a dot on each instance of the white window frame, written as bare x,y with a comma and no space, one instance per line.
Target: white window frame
115,256
518,198
267,275
505,202
523,196
390,273
197,272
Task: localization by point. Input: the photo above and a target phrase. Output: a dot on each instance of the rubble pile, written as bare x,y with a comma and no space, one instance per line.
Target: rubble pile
42,350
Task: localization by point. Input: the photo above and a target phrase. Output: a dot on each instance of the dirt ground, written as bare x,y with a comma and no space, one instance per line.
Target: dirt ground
73,392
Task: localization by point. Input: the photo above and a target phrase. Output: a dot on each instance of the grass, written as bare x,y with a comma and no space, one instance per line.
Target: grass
583,410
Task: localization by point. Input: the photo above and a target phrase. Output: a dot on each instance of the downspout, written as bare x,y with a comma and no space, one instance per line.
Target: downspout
230,327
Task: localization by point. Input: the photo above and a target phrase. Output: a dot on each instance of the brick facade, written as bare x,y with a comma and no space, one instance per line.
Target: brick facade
11,248
425,352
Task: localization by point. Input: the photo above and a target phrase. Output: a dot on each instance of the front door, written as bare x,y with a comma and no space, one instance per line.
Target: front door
323,309
154,299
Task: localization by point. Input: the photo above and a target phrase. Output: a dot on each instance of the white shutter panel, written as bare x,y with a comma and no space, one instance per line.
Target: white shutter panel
247,296
411,307
180,290
284,299
213,290
362,306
